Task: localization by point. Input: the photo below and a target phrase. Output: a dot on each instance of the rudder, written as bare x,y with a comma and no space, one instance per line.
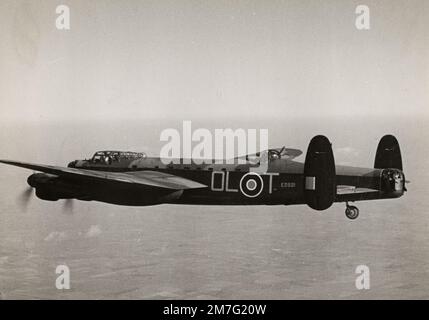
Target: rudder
319,174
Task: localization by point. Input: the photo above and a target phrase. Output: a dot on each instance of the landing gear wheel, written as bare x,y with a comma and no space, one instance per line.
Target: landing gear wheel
352,212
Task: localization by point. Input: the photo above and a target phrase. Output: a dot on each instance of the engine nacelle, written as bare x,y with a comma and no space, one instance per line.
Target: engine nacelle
319,174
50,187
47,194
38,179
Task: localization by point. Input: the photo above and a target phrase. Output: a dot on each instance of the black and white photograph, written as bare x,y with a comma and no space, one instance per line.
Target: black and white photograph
218,150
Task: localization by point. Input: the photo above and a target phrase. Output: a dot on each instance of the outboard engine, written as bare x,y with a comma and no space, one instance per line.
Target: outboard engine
37,179
319,174
50,187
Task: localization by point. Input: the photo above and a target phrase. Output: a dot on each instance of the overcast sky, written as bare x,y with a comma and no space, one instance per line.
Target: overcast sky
212,59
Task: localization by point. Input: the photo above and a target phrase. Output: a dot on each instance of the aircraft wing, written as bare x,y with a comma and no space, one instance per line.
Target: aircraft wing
153,179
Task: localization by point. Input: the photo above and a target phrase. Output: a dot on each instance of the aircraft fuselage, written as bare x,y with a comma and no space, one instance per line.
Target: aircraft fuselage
235,184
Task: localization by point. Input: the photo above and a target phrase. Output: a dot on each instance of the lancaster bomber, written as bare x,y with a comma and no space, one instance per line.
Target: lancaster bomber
134,179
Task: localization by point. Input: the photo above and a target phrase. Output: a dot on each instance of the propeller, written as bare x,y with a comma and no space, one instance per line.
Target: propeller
25,197
68,205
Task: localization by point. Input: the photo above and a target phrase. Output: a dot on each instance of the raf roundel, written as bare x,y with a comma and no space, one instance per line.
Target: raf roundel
251,185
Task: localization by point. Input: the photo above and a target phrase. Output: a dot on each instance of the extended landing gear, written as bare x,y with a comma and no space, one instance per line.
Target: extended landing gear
352,212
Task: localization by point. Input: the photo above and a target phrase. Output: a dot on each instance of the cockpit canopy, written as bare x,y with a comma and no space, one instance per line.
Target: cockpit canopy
276,154
113,156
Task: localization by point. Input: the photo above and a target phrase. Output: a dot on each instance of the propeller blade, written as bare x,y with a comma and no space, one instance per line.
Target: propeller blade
25,197
68,205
